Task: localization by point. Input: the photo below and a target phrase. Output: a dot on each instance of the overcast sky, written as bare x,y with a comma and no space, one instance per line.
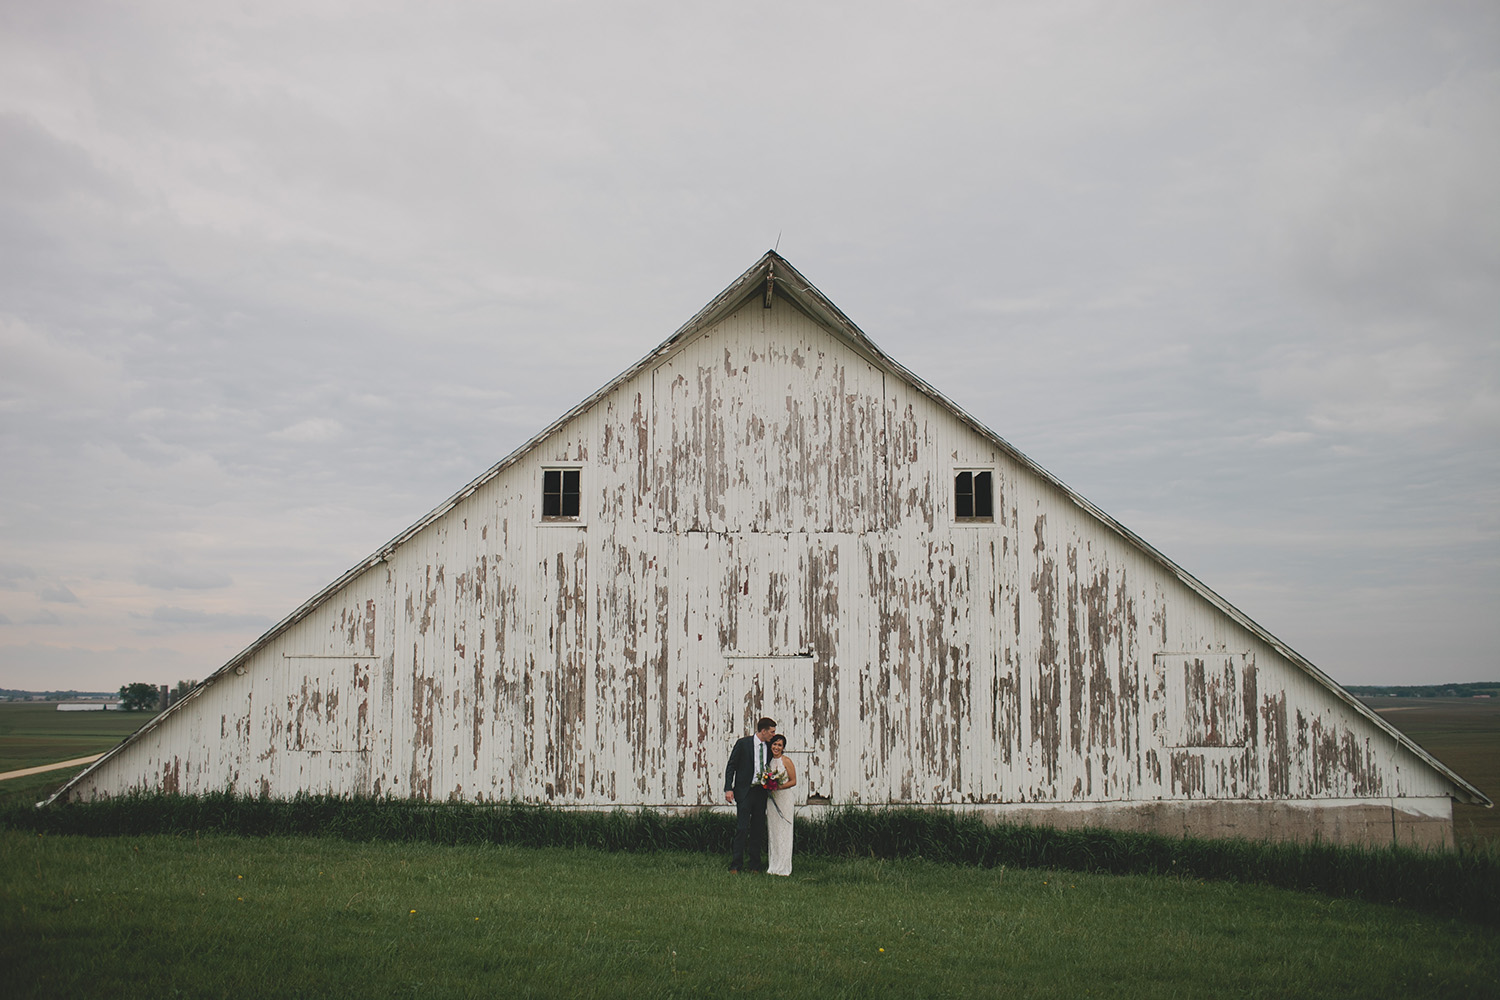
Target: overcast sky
277,279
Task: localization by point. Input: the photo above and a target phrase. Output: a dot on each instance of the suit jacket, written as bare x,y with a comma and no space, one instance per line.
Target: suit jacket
739,776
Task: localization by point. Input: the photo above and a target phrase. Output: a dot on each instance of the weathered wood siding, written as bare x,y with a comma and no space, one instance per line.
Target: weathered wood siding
767,526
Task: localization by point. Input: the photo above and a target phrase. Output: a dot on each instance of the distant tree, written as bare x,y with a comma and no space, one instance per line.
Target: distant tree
138,697
181,690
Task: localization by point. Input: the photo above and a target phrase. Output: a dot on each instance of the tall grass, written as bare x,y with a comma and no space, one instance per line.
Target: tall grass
1463,883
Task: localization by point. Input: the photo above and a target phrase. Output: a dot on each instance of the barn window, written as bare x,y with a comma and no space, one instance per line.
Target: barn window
973,497
560,494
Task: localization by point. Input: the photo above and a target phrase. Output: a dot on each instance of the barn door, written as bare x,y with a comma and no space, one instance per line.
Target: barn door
779,687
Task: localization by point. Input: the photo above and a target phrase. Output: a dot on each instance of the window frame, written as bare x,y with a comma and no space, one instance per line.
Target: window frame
973,472
562,520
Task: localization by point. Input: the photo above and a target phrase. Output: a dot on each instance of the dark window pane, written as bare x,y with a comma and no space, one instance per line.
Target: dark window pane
983,506
963,495
560,492
551,493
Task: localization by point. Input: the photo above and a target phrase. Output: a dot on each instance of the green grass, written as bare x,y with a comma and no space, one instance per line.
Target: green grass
961,909
1463,883
33,734
34,788
232,916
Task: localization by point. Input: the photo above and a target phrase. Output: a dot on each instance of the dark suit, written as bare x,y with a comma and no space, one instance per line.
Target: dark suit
749,802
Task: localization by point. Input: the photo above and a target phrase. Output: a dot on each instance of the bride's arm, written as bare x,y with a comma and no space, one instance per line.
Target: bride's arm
791,772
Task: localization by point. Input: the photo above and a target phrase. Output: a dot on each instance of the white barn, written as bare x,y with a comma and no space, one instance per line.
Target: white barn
768,515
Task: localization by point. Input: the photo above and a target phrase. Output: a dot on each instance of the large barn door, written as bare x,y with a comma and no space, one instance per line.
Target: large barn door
1204,722
780,687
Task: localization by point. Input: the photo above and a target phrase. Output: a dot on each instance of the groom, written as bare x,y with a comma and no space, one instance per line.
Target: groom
750,756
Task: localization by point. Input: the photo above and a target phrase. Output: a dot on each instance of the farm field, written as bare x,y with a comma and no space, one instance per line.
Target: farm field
1463,733
284,917
36,733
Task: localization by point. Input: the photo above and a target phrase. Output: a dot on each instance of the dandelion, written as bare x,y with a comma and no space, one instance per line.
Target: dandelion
882,951
414,911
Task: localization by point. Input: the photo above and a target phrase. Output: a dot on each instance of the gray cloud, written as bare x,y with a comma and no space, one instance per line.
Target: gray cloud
166,618
175,578
12,575
154,665
278,281
59,594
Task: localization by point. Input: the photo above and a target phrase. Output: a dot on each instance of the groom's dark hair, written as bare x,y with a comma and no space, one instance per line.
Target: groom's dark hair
765,724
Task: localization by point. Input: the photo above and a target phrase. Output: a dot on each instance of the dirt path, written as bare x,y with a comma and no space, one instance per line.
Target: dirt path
76,762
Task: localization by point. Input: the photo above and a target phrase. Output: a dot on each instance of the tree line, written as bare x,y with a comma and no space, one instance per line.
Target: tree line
1467,689
143,697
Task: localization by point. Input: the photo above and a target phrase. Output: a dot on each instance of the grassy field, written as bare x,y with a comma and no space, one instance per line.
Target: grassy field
289,917
36,733
1463,733
33,733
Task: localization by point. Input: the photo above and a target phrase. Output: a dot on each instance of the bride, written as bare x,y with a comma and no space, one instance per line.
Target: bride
779,811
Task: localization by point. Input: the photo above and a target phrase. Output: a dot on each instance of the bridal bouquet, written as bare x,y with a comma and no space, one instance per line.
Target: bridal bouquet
771,779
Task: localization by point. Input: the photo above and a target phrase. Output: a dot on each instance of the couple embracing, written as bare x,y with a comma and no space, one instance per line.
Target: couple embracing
758,781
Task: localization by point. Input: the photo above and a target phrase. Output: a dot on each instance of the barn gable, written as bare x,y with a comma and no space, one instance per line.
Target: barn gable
767,514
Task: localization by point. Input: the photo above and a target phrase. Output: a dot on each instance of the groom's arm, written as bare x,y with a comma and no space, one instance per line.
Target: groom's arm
729,771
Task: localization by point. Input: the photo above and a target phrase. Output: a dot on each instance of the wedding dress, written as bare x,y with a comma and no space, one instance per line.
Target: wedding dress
780,806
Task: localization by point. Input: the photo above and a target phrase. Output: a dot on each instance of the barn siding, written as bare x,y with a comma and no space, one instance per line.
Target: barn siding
767,519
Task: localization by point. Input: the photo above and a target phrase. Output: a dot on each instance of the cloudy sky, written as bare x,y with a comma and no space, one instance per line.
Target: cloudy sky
277,279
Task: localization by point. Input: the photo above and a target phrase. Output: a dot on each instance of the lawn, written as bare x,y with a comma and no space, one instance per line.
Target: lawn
286,917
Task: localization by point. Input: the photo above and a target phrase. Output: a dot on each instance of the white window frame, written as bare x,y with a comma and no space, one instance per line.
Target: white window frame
970,522
560,520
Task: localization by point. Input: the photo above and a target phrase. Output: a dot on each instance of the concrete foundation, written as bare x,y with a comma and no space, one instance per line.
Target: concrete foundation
1407,822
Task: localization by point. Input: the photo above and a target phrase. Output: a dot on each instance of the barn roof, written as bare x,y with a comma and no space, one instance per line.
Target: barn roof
773,276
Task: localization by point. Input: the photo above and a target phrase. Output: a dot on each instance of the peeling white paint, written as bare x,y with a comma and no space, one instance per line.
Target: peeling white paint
767,528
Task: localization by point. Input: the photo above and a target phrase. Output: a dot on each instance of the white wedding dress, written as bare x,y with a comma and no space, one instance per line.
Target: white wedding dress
780,806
